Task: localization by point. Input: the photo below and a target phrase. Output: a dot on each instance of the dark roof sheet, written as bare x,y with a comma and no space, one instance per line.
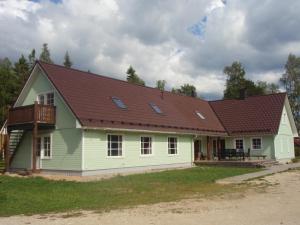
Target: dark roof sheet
252,115
89,96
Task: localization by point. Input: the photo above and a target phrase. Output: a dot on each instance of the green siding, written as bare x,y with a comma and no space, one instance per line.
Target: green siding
267,145
22,158
66,138
284,140
95,151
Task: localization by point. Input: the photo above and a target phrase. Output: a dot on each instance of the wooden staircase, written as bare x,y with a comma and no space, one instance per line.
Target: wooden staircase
14,142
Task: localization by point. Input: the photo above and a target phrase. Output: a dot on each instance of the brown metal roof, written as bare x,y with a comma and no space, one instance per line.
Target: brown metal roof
89,96
257,114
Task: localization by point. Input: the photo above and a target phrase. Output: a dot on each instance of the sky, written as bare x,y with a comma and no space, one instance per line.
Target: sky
180,41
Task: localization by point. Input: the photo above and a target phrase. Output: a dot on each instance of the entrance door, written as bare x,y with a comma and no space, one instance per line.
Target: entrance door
38,153
222,149
197,150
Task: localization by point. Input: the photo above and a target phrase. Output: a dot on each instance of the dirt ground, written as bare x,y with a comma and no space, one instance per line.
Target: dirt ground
277,203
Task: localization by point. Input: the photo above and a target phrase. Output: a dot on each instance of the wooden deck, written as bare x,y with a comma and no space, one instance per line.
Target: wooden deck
236,163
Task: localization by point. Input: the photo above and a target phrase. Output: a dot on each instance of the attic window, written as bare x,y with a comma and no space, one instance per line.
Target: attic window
119,103
200,115
155,108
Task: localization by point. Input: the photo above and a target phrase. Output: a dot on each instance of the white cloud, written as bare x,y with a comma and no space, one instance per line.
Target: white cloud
106,36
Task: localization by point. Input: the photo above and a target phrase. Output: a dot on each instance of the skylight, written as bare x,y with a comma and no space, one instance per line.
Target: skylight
119,103
155,108
200,115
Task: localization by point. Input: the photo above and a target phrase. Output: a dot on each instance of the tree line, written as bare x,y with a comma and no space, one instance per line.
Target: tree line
14,76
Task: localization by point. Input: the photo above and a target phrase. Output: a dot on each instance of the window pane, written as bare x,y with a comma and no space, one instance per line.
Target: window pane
146,143
41,99
114,145
119,103
172,143
50,99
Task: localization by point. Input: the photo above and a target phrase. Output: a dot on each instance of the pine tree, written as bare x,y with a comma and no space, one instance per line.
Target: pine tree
22,71
133,78
31,59
45,54
67,61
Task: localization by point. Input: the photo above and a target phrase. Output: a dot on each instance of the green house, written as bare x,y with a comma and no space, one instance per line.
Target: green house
78,123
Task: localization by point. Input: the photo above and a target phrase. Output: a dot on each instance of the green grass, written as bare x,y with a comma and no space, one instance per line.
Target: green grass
38,195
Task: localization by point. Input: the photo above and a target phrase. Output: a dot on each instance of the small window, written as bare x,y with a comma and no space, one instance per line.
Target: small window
114,145
155,108
200,115
47,147
172,145
239,143
256,143
50,98
119,103
146,146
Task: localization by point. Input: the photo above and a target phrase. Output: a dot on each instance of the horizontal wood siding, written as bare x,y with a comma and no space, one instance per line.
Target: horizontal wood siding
95,151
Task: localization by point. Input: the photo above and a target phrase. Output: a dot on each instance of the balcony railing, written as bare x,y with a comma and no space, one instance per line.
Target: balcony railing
45,114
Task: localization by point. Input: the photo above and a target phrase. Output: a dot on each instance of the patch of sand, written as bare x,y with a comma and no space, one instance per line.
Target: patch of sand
277,203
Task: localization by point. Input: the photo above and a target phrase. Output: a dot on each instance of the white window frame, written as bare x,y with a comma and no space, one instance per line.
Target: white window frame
45,94
234,143
146,155
42,153
261,144
176,153
122,148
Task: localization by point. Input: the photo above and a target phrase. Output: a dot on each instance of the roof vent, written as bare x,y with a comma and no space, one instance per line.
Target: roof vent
200,115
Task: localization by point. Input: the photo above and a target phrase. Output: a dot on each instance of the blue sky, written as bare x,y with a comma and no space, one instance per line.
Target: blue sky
187,41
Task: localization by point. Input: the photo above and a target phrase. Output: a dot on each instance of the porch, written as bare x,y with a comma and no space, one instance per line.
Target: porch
34,118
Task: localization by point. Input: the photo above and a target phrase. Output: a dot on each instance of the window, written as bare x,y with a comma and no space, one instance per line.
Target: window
50,98
256,143
172,145
155,108
200,115
47,98
239,144
119,103
114,145
41,99
44,147
146,146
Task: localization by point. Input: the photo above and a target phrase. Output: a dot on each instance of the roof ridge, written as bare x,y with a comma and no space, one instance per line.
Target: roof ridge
253,96
115,79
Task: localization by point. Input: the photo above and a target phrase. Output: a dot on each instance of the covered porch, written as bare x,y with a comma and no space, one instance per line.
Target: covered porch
230,149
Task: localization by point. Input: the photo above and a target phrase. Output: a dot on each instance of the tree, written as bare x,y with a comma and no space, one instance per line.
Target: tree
67,61
268,88
31,59
22,71
186,89
45,54
291,82
8,87
133,78
160,84
236,81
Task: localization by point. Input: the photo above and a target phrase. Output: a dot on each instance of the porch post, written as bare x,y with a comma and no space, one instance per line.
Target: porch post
219,148
34,136
7,152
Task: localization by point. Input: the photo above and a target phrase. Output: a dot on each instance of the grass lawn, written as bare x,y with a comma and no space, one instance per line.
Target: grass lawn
38,195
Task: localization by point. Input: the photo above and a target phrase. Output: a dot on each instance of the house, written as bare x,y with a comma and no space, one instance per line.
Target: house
78,123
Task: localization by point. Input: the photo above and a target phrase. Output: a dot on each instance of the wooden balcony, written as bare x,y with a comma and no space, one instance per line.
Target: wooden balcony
24,117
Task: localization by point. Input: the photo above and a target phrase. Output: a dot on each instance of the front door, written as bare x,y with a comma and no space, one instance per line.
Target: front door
197,150
38,153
